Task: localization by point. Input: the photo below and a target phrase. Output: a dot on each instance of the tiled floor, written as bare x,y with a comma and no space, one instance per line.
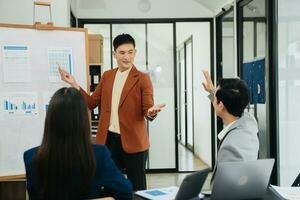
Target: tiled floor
171,179
187,162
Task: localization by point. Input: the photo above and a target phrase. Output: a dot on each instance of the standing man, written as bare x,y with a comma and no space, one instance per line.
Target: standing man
125,97
238,139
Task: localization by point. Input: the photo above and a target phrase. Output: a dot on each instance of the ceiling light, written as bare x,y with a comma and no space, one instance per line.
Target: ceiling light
144,5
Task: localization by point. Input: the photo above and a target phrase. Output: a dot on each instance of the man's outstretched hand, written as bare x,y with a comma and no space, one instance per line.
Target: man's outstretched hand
152,112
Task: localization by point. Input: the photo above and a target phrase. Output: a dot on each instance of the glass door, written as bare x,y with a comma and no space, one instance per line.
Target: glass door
181,95
185,96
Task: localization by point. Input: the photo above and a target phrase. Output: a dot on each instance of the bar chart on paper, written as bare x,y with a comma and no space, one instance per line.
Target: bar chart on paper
61,56
46,99
20,104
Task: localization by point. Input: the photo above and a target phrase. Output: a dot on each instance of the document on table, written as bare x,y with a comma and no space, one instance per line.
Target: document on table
166,193
292,193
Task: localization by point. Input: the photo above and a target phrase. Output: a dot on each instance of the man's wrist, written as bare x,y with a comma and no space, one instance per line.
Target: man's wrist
212,94
212,90
76,86
151,117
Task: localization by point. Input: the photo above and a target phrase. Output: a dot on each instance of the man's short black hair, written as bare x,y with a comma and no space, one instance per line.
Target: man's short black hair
234,93
123,39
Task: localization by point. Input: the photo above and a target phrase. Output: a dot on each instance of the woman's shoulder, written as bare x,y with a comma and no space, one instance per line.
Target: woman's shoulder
31,151
100,149
28,154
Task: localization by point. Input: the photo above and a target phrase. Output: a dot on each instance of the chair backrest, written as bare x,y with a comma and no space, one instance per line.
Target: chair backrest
297,181
13,189
258,154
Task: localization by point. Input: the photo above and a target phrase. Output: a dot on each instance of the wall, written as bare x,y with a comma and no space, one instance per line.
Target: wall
288,88
73,5
134,9
23,12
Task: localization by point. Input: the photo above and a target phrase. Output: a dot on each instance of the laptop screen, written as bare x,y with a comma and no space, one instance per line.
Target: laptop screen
242,180
192,185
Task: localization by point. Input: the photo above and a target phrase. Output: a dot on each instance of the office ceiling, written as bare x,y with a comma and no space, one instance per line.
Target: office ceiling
214,5
139,8
92,4
209,4
255,8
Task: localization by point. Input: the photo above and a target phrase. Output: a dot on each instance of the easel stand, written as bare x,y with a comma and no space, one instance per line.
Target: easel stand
39,25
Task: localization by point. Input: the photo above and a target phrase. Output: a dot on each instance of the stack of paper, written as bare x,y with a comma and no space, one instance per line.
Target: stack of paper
166,193
291,193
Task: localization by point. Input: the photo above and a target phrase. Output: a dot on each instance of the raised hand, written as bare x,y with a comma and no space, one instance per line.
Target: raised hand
152,112
208,86
68,78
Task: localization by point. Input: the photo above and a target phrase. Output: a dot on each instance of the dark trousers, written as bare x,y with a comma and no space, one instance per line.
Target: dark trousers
132,164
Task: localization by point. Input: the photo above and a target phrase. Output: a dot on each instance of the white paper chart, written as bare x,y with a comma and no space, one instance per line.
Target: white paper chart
16,66
19,103
60,56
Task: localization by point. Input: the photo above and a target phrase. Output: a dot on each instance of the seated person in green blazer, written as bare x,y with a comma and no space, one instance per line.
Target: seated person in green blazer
67,165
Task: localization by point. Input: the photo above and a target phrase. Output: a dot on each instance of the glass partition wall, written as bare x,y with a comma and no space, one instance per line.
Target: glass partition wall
193,42
252,64
288,90
256,63
156,45
251,59
225,45
268,32
225,50
185,94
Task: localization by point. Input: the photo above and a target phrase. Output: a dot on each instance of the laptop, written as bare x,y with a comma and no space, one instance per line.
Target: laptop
189,188
192,185
242,180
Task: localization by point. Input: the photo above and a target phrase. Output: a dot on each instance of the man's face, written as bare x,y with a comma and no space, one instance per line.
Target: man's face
124,56
218,107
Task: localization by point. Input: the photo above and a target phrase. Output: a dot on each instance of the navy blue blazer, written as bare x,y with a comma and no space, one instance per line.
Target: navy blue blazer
107,176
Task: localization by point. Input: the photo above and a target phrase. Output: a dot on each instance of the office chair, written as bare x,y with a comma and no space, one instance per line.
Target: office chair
258,154
297,181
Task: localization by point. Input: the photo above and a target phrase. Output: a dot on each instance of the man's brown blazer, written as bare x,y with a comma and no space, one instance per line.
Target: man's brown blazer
136,99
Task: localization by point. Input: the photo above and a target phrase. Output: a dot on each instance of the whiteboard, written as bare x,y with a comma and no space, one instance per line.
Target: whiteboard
21,129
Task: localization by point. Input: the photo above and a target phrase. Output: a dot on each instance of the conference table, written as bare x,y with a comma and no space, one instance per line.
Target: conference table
270,195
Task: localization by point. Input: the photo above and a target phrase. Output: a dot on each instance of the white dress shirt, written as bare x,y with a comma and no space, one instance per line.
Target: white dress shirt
119,83
225,130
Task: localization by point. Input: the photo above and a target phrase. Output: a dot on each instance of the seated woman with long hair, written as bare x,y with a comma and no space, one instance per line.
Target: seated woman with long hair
67,165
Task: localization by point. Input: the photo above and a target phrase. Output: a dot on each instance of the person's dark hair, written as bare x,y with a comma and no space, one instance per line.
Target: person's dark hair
66,148
234,93
123,39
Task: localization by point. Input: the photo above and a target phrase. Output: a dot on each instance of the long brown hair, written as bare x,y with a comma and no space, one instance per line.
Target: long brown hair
65,162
